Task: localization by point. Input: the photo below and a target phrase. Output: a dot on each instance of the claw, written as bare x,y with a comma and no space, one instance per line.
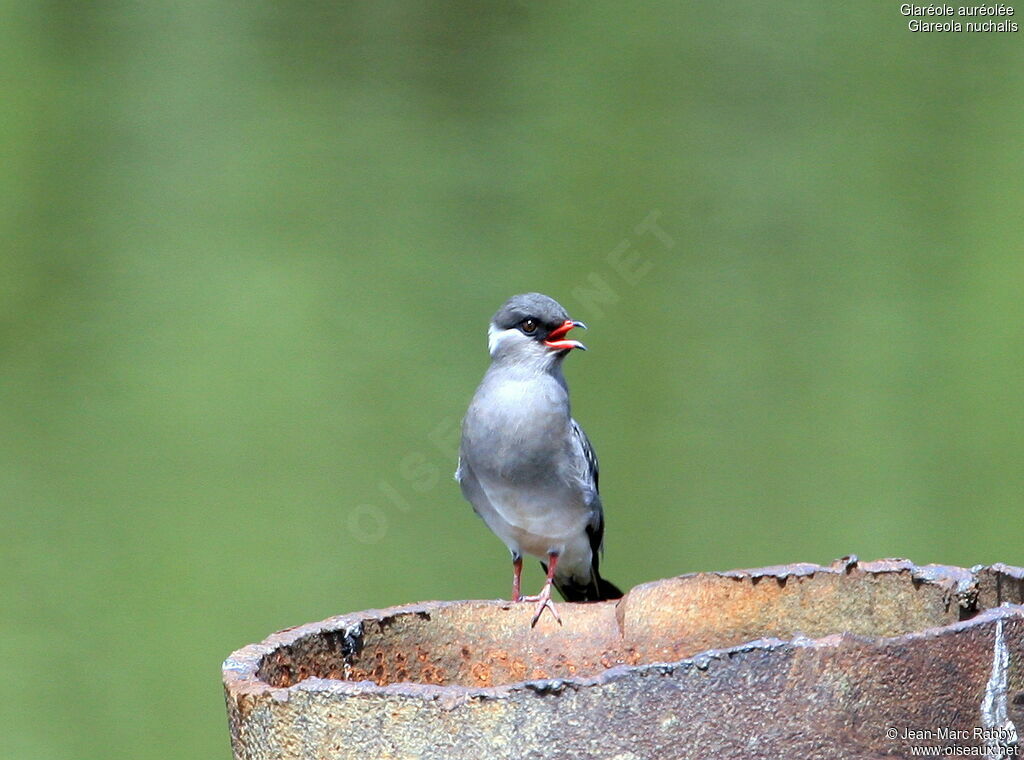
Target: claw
543,599
544,602
543,605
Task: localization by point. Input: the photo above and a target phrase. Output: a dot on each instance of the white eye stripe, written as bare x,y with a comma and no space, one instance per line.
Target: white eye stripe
495,335
497,338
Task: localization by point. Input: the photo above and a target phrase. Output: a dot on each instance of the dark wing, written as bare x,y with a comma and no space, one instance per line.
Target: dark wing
597,588
595,529
593,469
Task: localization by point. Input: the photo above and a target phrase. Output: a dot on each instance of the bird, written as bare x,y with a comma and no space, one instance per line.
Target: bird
525,465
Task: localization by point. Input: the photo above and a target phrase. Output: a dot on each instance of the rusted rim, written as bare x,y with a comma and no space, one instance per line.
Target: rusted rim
240,670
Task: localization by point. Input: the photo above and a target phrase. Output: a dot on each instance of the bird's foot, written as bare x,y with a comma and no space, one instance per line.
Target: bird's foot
543,600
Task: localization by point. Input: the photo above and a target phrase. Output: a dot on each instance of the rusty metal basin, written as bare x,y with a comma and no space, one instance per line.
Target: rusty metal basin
795,661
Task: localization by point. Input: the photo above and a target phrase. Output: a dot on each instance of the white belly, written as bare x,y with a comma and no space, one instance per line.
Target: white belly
538,522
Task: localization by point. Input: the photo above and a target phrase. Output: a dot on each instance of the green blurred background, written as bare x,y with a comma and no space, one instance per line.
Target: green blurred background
251,251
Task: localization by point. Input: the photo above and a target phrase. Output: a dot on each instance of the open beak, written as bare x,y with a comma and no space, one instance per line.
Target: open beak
556,338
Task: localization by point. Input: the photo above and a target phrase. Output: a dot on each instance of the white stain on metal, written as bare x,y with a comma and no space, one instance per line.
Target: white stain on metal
993,706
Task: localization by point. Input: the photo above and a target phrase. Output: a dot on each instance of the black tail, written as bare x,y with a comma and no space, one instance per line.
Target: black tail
598,590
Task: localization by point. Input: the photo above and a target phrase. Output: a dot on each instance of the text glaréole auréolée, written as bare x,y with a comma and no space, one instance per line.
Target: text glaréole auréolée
954,14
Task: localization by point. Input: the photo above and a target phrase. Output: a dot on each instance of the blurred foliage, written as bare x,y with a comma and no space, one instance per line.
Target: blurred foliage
250,254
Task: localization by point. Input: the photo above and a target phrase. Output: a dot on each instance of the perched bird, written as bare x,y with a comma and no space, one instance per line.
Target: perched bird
525,464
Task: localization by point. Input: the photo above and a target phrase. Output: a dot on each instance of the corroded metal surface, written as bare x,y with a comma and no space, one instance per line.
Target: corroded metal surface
795,661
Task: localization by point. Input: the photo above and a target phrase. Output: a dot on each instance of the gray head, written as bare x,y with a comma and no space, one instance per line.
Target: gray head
530,329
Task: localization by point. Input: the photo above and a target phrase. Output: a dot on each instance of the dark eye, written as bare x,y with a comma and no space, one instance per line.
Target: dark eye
528,326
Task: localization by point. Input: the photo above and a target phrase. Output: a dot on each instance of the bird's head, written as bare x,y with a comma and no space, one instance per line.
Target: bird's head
531,328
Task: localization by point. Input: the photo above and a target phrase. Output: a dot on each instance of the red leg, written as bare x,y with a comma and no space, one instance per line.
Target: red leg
517,571
552,564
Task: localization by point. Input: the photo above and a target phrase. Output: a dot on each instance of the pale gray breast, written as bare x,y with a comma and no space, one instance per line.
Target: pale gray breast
517,430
